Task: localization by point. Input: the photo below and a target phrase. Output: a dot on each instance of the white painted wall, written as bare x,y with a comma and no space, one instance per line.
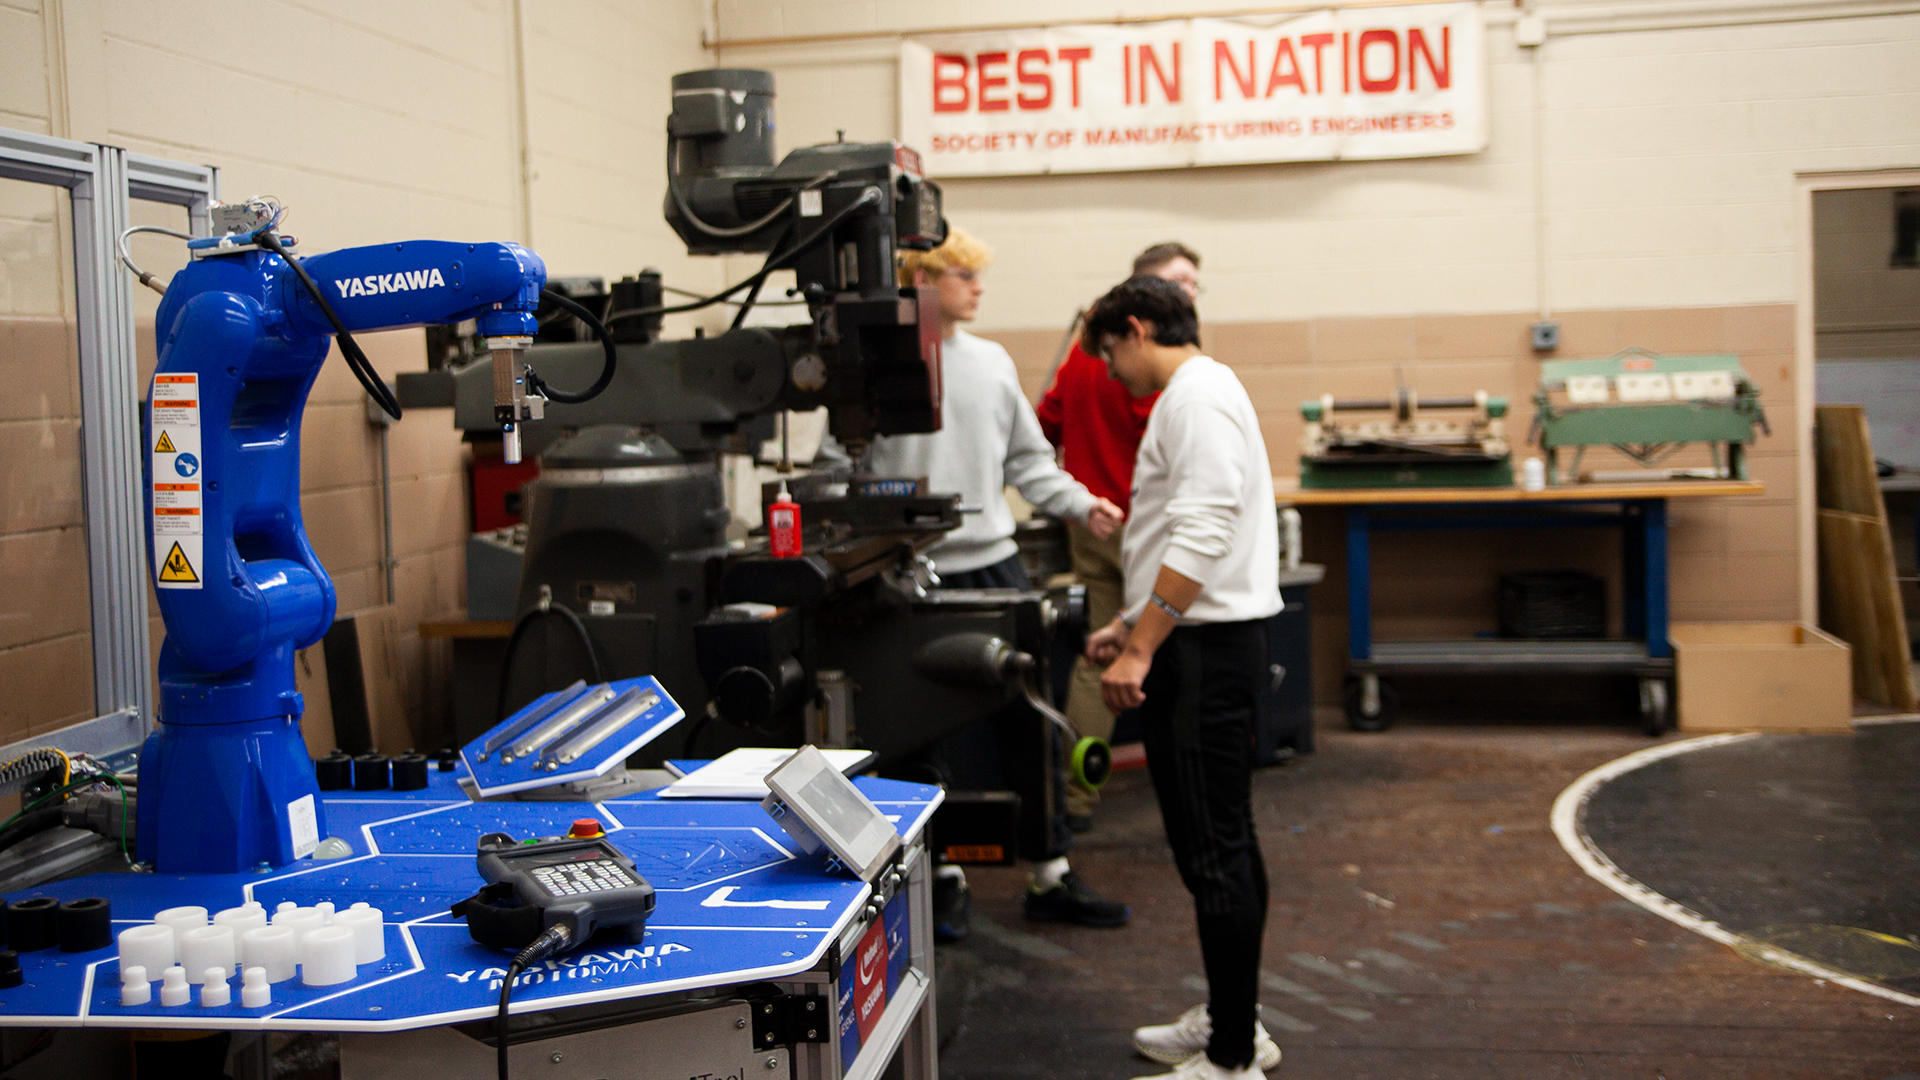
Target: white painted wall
371,121
1669,158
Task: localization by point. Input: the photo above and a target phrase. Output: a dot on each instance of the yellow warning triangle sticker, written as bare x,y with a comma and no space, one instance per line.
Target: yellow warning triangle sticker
164,446
177,568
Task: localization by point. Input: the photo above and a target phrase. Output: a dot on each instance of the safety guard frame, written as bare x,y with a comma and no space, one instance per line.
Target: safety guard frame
101,182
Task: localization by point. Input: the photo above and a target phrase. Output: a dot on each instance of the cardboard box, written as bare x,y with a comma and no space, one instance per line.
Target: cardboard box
365,685
1752,676
310,678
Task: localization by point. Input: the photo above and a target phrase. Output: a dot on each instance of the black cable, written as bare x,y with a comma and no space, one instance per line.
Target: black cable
578,311
740,317
677,291
30,824
775,261
370,379
70,786
554,939
729,232
513,645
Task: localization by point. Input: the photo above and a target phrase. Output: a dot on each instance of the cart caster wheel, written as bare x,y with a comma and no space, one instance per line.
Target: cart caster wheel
1384,707
1656,707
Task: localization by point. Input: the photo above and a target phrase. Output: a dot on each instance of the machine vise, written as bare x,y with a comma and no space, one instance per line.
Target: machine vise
1405,448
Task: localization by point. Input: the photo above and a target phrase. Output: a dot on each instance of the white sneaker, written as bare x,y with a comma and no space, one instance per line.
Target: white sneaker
1199,1067
1178,1042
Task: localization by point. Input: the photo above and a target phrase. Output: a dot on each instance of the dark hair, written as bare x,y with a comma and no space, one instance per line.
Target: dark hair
1160,255
1151,300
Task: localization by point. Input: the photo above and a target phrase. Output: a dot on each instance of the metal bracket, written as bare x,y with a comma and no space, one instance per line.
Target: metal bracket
787,1019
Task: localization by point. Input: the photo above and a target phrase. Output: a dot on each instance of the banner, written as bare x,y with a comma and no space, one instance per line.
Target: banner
1320,86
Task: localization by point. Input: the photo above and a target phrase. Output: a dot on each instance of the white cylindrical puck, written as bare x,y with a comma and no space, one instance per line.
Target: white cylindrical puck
276,949
150,946
369,932
182,919
300,920
326,956
242,919
206,947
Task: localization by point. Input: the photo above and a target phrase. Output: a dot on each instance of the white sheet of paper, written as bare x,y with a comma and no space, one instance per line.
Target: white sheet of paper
742,773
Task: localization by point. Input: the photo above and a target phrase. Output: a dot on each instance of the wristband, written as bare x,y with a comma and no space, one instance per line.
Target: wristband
1160,602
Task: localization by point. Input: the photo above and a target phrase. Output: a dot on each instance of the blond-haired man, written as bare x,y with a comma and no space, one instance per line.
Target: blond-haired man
989,439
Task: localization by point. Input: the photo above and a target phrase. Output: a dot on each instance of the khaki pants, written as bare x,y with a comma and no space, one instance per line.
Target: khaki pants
1096,564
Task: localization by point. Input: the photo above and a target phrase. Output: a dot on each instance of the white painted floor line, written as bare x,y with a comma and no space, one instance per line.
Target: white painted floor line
1568,810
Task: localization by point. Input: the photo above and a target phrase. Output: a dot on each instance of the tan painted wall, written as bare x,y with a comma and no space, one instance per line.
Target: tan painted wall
1732,559
373,122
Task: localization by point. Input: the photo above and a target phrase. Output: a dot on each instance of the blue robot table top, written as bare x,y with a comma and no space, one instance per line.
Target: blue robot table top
736,903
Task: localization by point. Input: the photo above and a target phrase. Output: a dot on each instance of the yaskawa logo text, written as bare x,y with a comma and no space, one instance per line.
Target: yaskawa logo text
594,966
375,284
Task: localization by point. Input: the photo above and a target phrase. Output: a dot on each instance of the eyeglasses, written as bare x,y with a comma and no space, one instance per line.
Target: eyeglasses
1104,351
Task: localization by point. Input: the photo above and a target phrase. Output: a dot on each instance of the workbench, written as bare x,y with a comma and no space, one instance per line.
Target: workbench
756,960
1638,510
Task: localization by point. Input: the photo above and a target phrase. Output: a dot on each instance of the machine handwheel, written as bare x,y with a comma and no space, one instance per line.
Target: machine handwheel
1376,714
1092,762
1656,707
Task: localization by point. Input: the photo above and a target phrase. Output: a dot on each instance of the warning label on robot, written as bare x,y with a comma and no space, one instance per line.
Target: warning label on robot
180,569
176,400
176,501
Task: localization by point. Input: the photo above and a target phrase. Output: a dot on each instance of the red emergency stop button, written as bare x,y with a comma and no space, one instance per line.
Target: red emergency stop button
586,828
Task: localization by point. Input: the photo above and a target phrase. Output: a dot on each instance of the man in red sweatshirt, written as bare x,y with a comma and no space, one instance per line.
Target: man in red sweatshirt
1097,426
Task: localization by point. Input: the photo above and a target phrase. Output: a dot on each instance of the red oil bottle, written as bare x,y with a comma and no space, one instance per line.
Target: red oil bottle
783,526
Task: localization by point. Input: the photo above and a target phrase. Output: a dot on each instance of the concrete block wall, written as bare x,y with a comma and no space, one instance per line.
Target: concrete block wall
372,122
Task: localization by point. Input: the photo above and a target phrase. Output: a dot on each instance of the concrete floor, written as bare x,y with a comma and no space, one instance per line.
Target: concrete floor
1425,923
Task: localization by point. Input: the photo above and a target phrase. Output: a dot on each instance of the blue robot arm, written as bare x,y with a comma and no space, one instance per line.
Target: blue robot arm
226,783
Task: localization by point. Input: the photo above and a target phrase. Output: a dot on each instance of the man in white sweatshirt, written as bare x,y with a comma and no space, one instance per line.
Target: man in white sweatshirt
1201,563
989,438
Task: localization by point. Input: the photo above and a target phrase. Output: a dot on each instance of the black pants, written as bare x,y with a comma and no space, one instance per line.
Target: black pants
998,752
1198,727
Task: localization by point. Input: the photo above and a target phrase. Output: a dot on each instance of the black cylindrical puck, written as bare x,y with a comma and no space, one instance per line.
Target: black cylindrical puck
370,772
10,973
30,924
334,772
446,764
84,925
409,772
